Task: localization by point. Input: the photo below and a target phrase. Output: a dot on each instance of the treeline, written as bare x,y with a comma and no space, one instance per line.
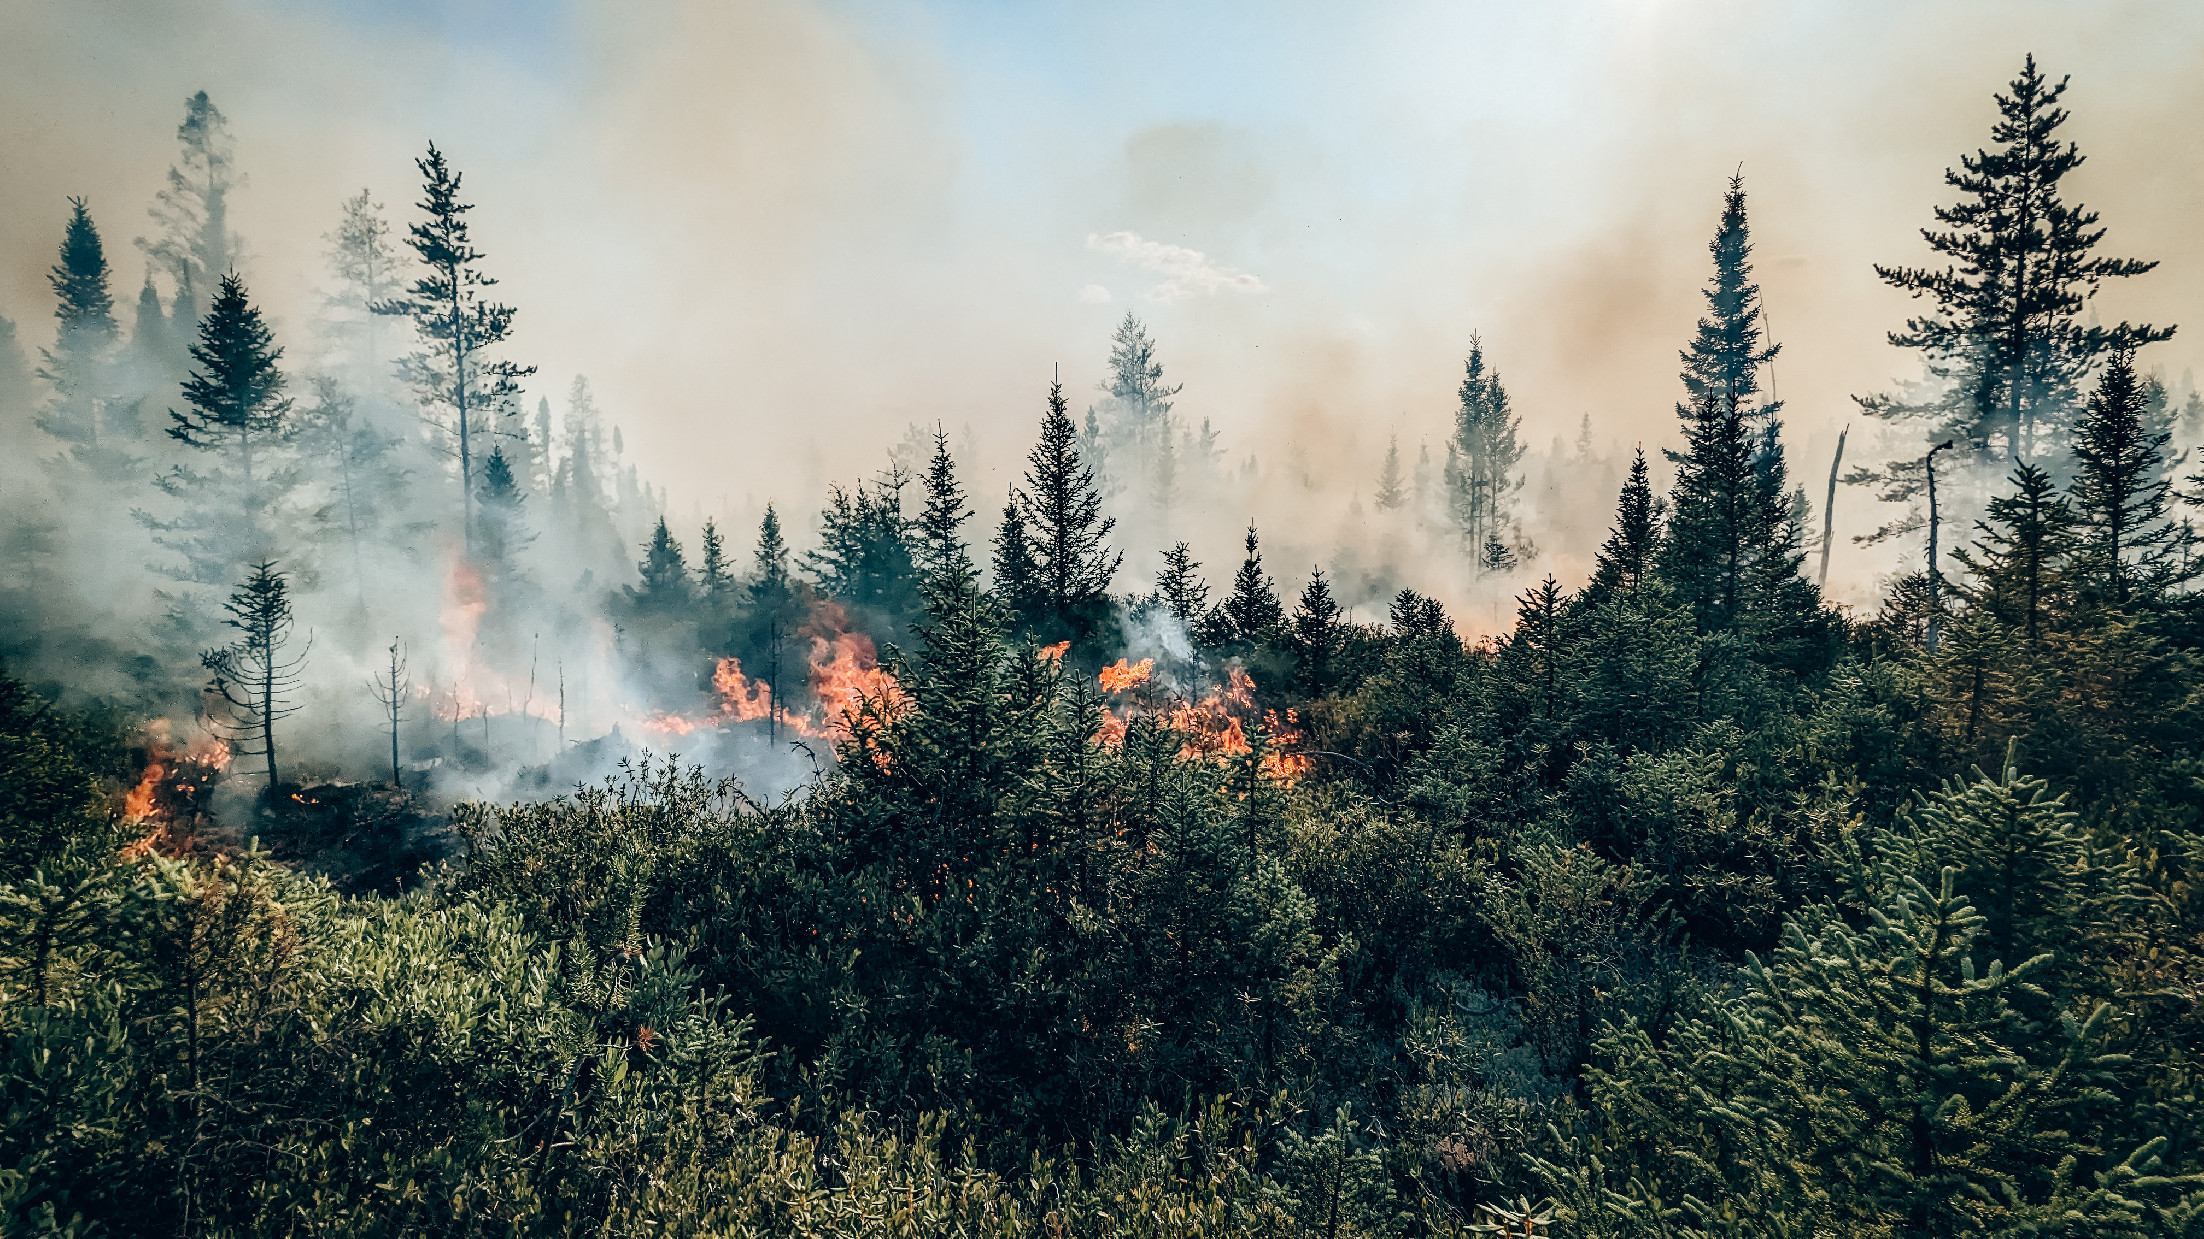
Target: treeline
1690,906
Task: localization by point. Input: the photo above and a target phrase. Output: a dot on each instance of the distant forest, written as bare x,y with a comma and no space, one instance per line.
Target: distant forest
405,829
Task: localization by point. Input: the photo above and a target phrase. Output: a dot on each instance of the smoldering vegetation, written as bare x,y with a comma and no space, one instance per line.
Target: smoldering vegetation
414,823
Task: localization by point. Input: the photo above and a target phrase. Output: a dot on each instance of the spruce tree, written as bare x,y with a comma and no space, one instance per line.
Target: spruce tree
256,674
772,614
1252,613
2008,329
468,392
366,271
1319,633
84,311
1062,509
940,521
1726,354
1481,457
1392,487
1625,559
1017,578
2016,571
1181,589
715,580
664,590
195,245
503,525
150,336
2126,548
868,550
238,415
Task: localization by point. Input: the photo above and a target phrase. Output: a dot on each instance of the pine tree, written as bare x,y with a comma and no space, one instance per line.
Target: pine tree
195,244
1415,617
1392,489
868,551
1181,589
1062,508
1625,559
940,540
1252,613
2126,548
238,414
256,674
77,365
2016,571
1726,355
1017,584
665,589
1482,456
715,580
772,613
1319,633
467,391
366,270
2008,330
504,526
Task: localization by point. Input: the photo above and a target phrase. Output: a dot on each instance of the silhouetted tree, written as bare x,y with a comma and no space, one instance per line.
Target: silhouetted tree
1625,559
1481,458
1062,509
665,589
237,415
941,520
1252,612
1017,583
2126,548
1181,589
84,336
256,674
1319,632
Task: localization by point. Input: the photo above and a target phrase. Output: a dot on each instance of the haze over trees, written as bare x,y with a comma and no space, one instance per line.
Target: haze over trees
1031,867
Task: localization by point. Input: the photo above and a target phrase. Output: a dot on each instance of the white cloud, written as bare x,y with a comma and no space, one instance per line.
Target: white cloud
1094,294
1186,273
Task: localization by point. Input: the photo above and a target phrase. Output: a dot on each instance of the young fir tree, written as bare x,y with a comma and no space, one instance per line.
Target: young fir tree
84,311
366,271
256,675
1062,509
941,520
1251,613
1392,487
503,527
1481,458
191,212
465,389
868,554
238,416
771,615
664,590
1625,560
2127,550
2008,332
715,578
1017,578
1181,589
1319,634
2017,571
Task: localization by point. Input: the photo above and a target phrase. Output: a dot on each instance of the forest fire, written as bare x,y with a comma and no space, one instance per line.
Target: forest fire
1214,727
843,674
1119,677
168,796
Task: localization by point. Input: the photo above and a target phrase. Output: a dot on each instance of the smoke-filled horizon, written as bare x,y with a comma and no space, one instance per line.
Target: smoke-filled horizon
776,235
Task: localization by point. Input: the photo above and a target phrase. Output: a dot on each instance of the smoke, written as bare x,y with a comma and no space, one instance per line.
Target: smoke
776,234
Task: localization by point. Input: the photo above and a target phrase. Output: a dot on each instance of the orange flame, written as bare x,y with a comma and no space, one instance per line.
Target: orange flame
1121,676
1055,653
846,674
170,779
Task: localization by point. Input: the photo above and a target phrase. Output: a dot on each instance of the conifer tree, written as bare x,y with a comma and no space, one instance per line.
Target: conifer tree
465,389
1180,588
772,613
1626,558
715,580
1062,509
1392,487
2126,547
1252,613
1726,354
1414,616
366,270
1017,584
149,328
665,589
940,521
503,528
195,245
2017,570
256,674
867,552
1481,457
238,414
2007,330
1319,633
84,338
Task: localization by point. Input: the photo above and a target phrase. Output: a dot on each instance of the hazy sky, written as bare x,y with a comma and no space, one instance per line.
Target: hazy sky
774,233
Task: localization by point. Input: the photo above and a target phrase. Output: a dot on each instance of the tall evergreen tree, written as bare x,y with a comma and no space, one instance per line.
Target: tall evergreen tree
2127,549
1017,577
868,552
664,590
466,390
1252,612
1180,588
2008,335
238,415
84,338
1319,633
256,674
940,521
365,268
1062,508
1482,456
503,527
1625,559
771,614
1726,354
195,245
1715,524
715,579
1392,487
